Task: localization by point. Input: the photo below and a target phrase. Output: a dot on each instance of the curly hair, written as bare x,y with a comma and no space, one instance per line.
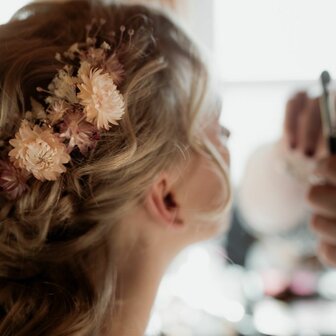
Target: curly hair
57,274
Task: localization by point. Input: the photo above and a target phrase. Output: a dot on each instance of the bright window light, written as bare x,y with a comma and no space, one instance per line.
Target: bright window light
275,40
8,8
264,52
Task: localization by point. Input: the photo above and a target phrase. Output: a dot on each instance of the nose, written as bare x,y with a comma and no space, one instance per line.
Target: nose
223,148
225,153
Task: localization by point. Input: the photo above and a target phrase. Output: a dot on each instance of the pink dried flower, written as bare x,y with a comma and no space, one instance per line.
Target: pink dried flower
39,151
103,103
13,181
79,132
115,69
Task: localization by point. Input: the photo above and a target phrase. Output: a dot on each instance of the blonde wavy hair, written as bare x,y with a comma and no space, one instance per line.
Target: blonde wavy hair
52,239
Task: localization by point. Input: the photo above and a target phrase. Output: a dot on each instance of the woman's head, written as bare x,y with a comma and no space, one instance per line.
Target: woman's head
164,151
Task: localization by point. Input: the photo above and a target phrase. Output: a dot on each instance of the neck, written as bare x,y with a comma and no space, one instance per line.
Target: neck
137,288
138,278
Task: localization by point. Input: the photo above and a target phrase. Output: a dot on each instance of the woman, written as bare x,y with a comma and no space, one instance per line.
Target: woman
112,161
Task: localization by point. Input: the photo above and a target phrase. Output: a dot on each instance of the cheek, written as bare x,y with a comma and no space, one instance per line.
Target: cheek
212,185
204,229
207,186
225,154
207,194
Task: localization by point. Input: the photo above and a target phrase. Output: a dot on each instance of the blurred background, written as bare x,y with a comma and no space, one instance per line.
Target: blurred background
262,277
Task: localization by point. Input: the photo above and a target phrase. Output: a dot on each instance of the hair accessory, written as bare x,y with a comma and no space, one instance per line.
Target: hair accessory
81,101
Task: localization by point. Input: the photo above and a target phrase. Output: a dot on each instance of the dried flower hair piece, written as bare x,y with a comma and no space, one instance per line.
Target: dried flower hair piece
39,151
13,181
103,103
81,101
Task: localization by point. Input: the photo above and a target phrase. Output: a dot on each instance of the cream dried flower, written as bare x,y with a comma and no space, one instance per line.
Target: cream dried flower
72,52
84,69
38,111
105,46
103,103
39,151
13,181
64,85
56,110
95,56
79,132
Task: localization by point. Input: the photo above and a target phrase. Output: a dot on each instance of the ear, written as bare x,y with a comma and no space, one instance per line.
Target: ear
161,203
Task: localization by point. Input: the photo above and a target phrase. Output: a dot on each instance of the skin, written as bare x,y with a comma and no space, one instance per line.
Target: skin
303,127
303,132
322,199
158,229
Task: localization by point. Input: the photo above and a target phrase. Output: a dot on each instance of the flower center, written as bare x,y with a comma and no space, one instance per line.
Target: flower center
40,155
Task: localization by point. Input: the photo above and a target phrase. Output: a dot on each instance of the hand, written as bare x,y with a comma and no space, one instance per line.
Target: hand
303,125
322,199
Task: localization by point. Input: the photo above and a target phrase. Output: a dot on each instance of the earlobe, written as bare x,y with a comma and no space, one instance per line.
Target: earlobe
162,205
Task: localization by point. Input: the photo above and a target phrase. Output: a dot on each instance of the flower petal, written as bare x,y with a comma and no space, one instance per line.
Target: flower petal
103,103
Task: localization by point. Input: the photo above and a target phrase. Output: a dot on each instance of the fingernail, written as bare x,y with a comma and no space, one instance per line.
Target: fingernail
309,152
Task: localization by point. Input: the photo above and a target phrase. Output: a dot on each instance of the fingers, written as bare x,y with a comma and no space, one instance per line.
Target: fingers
326,168
327,253
325,228
322,199
303,125
294,109
310,128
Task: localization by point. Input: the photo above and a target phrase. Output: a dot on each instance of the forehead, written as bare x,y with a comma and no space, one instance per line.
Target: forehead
215,107
210,108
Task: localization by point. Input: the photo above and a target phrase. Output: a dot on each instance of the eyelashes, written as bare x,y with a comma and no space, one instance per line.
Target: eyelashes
224,133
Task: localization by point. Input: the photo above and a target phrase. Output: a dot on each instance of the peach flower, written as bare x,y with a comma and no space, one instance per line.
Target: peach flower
103,103
13,181
38,151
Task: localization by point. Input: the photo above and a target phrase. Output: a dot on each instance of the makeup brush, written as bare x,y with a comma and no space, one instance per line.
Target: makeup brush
328,113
